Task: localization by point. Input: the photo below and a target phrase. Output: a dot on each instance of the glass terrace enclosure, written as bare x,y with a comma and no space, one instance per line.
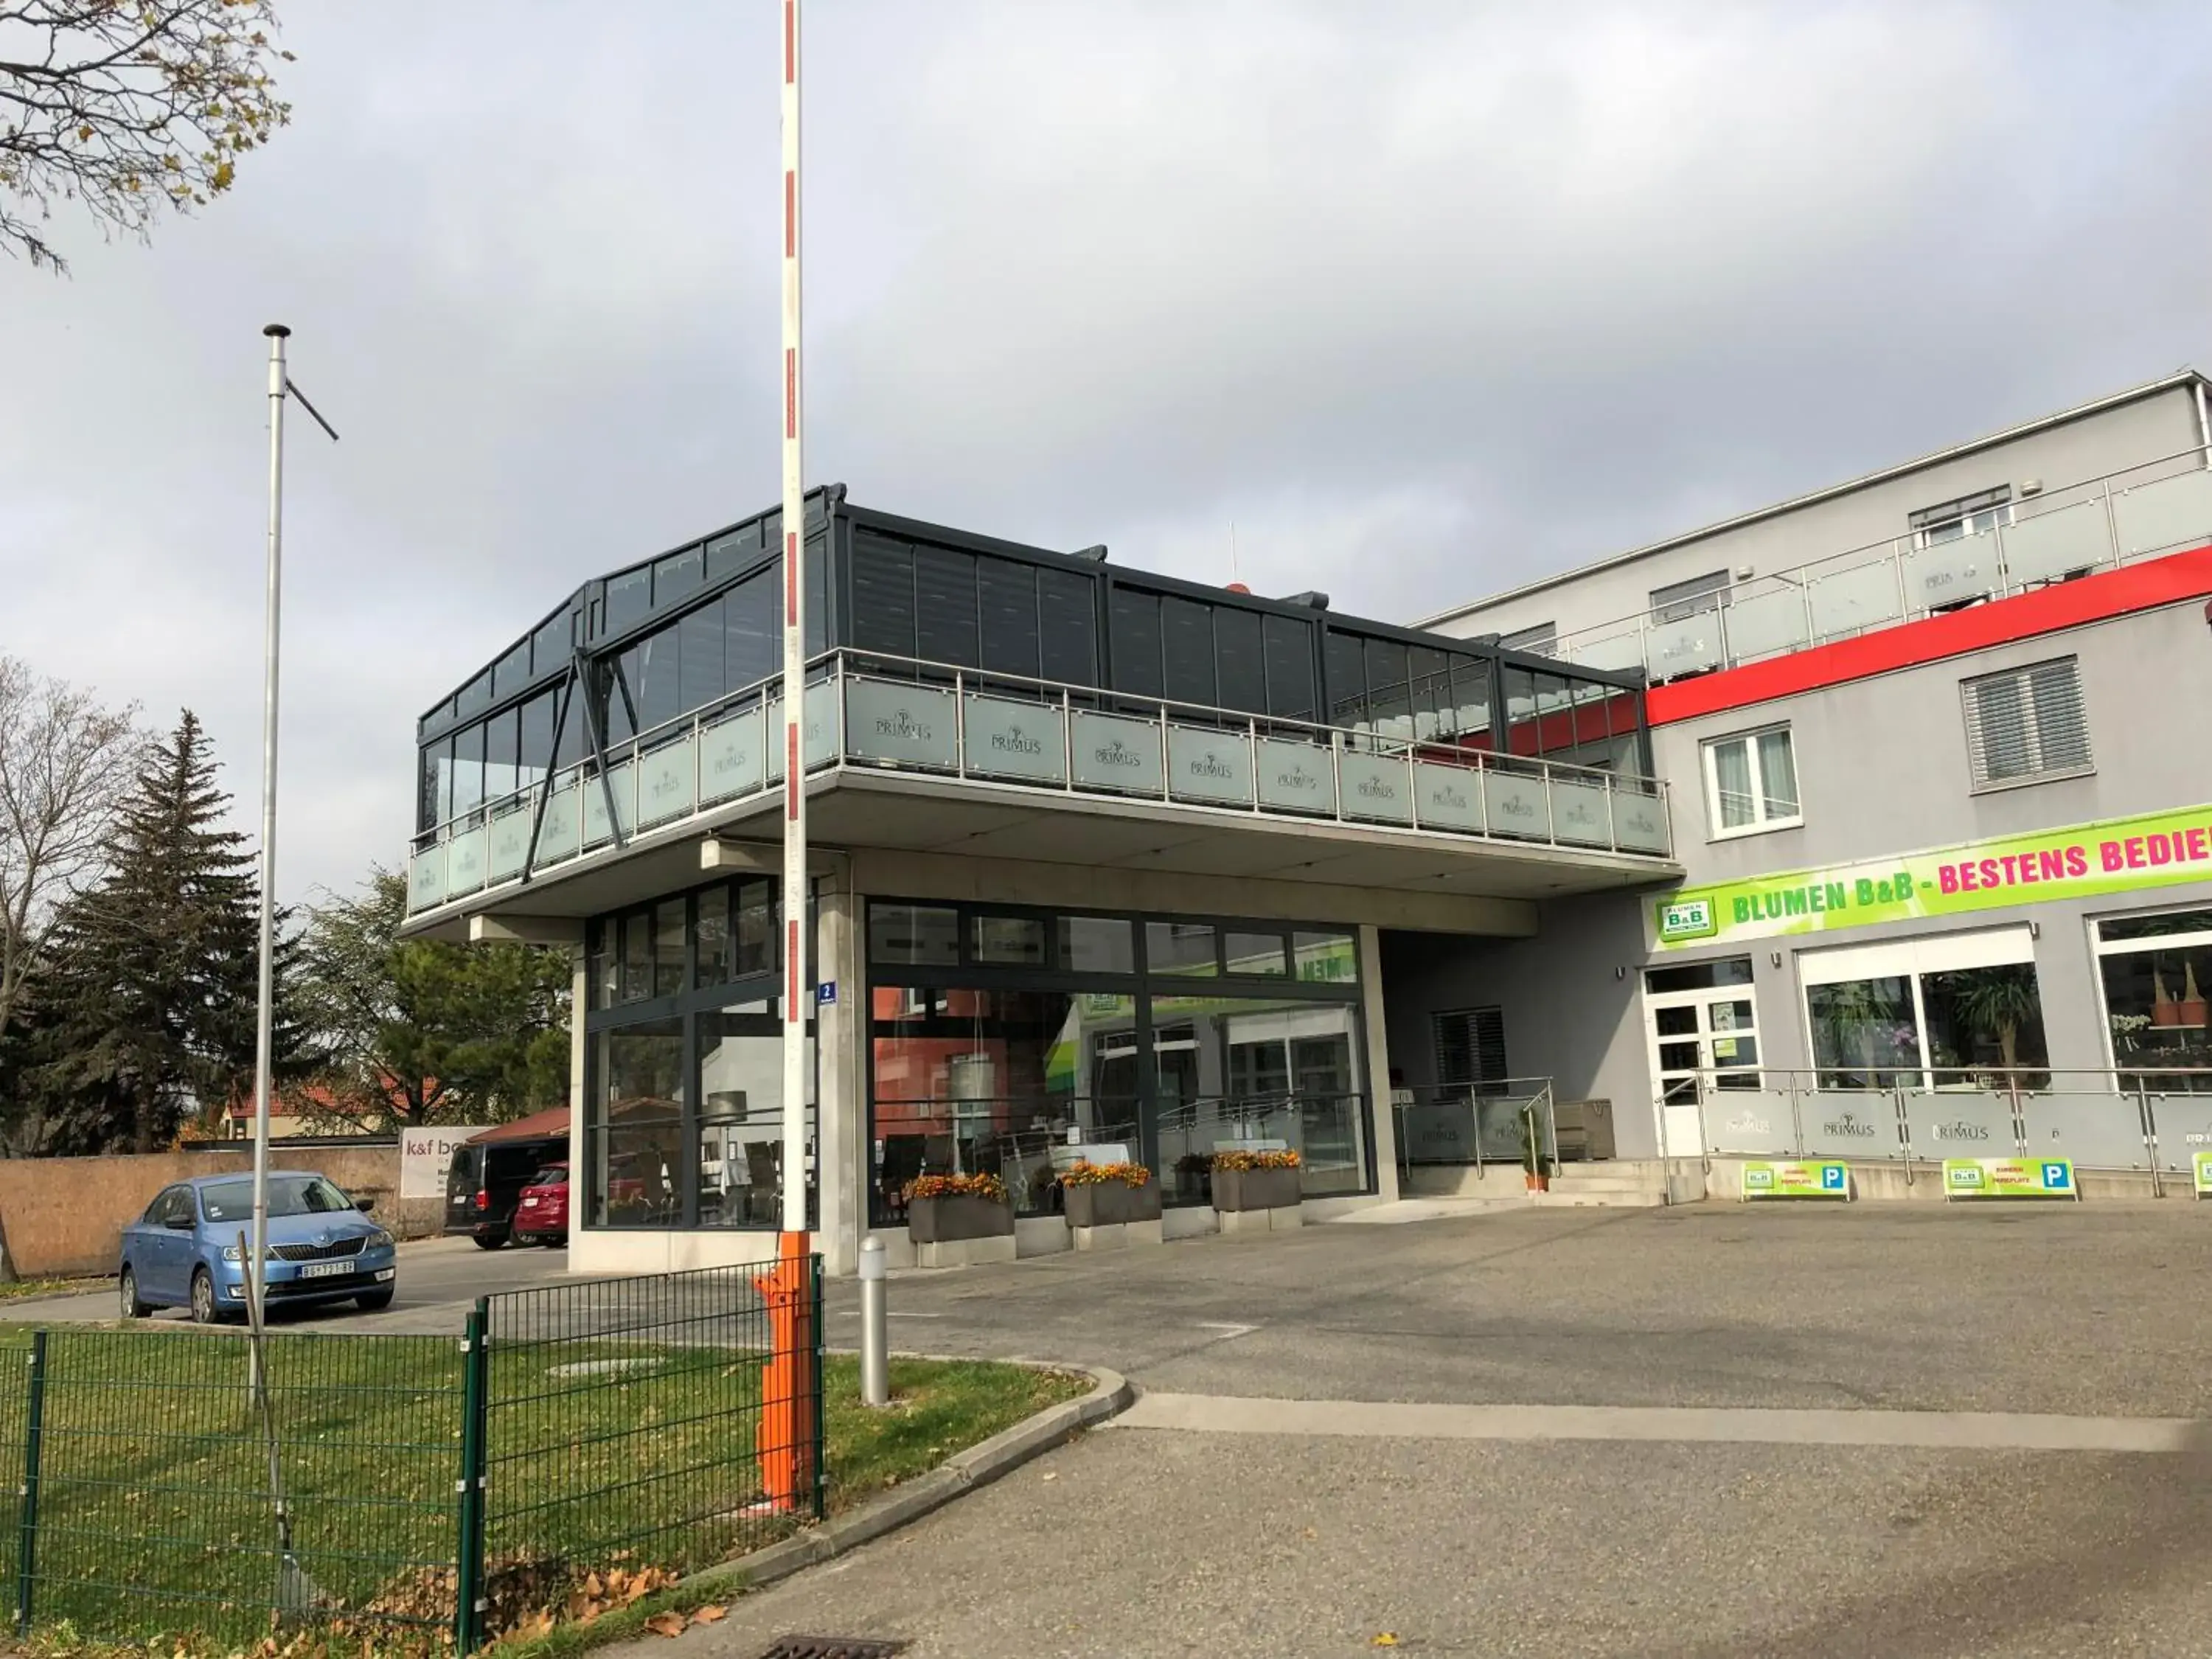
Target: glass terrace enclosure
646,699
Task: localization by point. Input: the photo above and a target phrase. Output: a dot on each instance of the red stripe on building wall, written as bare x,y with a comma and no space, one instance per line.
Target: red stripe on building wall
2168,580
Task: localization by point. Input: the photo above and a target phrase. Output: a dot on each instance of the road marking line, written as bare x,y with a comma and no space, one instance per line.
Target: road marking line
1952,1430
1227,1329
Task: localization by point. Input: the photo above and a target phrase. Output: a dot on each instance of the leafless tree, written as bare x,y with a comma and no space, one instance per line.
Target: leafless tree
65,762
128,107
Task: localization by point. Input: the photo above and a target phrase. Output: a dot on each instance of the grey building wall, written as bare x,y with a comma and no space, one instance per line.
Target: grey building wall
1882,768
2159,424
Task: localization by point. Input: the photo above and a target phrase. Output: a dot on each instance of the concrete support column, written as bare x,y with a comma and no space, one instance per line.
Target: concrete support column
840,1121
1379,1061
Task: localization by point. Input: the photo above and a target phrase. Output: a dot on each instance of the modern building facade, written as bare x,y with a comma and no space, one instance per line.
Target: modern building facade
1948,890
1868,825
1103,861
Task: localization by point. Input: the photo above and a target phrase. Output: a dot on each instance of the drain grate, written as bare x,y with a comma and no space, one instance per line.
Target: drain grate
833,1647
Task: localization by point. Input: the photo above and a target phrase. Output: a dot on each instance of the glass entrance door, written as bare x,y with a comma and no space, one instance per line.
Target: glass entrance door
1701,1026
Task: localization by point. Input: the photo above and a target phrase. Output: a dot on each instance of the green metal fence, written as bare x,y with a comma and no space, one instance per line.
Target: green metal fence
425,1491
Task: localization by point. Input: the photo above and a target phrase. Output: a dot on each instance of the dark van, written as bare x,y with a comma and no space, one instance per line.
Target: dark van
484,1182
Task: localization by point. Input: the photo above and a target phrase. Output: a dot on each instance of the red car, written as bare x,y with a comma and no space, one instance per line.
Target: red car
541,1214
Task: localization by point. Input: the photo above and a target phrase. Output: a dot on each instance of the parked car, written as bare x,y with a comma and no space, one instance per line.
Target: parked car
185,1252
541,1214
484,1183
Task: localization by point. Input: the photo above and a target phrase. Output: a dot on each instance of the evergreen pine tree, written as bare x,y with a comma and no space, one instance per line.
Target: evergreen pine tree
152,996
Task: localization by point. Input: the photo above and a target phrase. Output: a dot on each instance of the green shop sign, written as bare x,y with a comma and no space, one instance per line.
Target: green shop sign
2200,1168
2008,1177
1816,1177
2089,860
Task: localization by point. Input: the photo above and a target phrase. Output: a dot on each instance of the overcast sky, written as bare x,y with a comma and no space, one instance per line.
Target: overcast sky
1427,298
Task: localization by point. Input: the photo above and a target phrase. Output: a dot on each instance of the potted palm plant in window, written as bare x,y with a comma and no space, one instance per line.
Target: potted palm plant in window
2001,1000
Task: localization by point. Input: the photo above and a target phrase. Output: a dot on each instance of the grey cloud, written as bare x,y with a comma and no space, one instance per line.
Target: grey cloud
1427,298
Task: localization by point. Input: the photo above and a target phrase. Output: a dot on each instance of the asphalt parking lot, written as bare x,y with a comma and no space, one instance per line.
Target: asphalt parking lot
1193,1527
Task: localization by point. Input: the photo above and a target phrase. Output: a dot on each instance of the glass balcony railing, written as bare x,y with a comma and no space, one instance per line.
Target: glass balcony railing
2158,507
872,713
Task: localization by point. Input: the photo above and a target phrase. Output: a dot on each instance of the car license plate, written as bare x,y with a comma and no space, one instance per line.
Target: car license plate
325,1269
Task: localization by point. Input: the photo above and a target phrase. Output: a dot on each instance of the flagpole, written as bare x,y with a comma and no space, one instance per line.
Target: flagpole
265,991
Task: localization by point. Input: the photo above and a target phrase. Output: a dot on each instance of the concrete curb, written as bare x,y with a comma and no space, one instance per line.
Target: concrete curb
978,1466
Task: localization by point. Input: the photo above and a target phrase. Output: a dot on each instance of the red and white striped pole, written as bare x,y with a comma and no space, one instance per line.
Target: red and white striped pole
790,1436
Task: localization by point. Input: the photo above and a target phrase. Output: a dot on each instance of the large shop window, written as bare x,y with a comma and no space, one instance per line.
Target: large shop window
1751,783
1958,1011
1014,1041
683,1100
2156,971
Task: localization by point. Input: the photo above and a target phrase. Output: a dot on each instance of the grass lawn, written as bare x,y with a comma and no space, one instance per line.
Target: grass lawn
153,1516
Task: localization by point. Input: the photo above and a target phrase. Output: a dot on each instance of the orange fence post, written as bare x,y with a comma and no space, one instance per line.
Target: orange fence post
789,1432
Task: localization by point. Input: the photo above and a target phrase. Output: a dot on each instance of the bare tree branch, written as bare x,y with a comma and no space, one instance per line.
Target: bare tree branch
127,109
64,763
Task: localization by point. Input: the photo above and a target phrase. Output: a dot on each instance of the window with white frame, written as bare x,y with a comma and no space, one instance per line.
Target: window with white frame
1543,640
1750,782
1679,601
1969,515
2027,724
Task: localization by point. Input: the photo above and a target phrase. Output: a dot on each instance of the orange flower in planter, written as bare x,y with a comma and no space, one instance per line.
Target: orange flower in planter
1085,1173
957,1185
1287,1158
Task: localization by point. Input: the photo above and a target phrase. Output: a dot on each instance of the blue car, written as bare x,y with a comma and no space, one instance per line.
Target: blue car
185,1251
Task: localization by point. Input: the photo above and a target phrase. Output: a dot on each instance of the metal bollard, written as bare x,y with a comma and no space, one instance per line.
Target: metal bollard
875,1326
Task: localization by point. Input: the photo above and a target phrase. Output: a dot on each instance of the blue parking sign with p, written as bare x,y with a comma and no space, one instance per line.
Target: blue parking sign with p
1832,1177
2058,1176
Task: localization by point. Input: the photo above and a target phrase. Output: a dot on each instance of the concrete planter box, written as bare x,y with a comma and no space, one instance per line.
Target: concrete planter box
960,1216
1112,1203
1121,1236
1236,1190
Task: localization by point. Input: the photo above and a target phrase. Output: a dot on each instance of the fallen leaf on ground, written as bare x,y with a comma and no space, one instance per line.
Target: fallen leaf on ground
1385,1640
1052,1477
665,1624
711,1614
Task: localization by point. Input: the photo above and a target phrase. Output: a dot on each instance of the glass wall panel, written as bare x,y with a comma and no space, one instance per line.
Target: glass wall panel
728,554
1009,941
717,958
882,595
1248,1073
535,757
2157,970
1325,955
1136,629
1470,719
1187,645
629,598
752,642
1068,627
1865,1033
1347,667
1980,1019
613,697
1015,1082
678,575
1189,949
650,666
921,934
468,768
699,649
503,742
574,741
1006,597
758,904
434,805
1095,944
549,646
511,673
1240,659
1390,689
668,976
945,606
633,1129
741,1131
815,569
637,956
1290,668
1260,954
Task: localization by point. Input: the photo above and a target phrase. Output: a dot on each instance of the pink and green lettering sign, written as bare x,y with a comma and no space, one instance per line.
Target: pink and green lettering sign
2089,860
